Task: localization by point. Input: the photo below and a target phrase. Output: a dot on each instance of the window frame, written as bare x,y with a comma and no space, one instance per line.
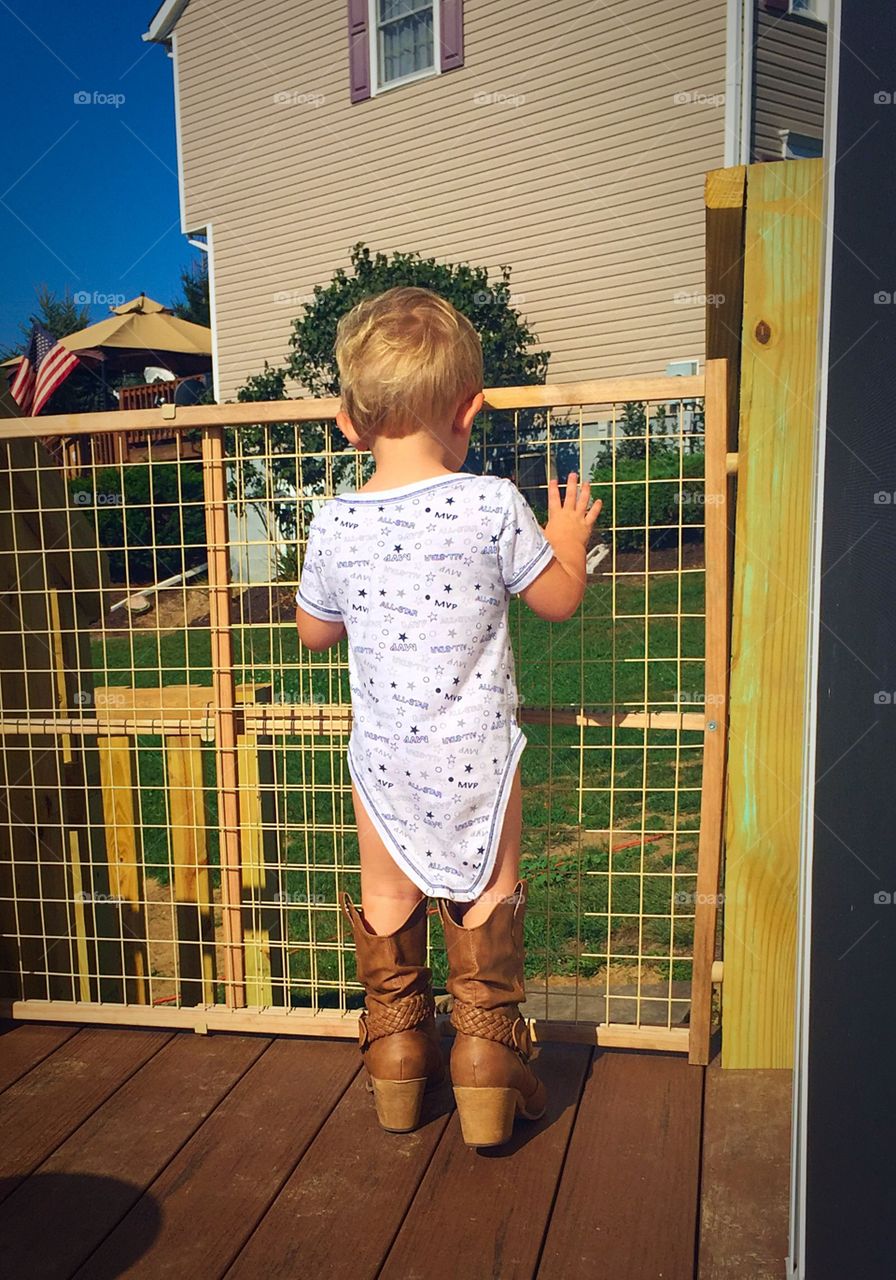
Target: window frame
373,45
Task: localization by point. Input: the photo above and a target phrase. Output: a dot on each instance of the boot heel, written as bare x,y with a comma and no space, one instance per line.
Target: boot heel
486,1114
399,1103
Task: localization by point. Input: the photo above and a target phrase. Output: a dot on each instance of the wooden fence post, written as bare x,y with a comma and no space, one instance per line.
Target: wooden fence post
782,267
715,733
217,536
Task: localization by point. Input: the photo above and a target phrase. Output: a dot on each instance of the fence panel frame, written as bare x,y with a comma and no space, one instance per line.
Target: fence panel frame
233,722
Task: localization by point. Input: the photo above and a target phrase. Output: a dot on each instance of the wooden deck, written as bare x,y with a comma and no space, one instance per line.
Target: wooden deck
144,1153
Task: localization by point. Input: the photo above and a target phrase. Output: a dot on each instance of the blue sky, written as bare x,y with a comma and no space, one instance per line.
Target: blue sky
88,192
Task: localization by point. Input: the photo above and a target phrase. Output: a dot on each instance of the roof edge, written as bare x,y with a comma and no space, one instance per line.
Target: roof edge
164,20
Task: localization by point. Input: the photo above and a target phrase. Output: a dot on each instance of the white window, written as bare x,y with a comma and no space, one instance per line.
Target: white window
816,9
799,146
682,368
405,44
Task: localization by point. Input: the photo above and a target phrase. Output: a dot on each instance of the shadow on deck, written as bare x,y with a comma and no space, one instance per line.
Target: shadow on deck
145,1153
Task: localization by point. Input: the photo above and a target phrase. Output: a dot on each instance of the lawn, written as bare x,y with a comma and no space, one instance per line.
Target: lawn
596,900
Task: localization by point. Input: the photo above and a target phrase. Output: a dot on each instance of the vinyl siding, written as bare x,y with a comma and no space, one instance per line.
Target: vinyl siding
590,185
789,74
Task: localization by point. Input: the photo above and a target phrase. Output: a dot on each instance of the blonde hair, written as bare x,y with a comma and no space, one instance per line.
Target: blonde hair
407,358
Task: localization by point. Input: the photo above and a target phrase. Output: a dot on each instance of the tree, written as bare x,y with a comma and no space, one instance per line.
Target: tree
61,316
507,358
195,303
638,434
83,391
487,303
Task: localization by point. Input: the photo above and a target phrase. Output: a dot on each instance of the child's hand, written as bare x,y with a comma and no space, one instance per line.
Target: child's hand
570,520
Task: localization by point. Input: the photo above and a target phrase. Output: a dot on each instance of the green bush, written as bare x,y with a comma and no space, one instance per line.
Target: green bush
657,492
150,517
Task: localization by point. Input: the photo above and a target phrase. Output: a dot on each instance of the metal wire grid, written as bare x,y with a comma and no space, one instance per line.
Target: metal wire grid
113,891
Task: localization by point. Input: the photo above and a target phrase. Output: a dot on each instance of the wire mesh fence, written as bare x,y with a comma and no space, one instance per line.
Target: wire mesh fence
177,826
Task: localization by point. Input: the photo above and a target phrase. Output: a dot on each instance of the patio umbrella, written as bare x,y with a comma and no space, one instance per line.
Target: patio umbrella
138,333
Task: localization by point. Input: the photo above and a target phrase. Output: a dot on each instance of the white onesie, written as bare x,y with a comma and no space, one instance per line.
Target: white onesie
420,575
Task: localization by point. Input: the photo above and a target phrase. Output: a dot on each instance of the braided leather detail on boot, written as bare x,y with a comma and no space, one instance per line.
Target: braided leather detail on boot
492,1024
379,1020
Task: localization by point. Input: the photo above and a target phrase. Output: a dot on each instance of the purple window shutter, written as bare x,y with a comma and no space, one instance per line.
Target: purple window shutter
358,50
451,33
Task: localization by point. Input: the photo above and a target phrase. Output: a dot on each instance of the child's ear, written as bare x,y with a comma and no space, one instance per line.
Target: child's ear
344,423
467,410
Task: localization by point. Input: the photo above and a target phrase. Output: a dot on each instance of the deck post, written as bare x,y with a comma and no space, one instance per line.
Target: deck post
782,260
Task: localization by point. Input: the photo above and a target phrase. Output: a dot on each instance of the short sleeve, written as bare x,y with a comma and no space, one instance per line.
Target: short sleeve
315,595
523,550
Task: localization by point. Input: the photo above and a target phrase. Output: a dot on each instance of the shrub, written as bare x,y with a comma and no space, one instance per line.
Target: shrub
508,357
150,517
650,493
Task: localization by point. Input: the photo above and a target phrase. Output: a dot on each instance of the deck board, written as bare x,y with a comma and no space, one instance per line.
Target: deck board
746,1161
161,1154
92,1180
197,1215
24,1044
626,1206
352,1172
43,1107
483,1214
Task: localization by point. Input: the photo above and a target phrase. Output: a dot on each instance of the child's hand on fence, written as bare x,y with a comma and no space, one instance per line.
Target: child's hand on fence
570,519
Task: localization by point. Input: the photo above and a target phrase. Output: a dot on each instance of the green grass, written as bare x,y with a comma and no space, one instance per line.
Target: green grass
581,896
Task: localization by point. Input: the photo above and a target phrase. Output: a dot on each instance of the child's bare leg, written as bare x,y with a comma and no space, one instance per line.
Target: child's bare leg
388,896
507,863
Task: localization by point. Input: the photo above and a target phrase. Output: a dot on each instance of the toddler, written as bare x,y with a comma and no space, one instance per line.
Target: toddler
416,568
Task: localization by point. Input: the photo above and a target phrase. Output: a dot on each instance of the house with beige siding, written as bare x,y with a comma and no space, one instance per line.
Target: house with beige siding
565,138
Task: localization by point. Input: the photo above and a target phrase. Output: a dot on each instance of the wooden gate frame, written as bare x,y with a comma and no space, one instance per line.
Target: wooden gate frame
213,420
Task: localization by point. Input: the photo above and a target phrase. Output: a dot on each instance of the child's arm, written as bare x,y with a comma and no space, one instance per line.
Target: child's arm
318,613
557,592
314,633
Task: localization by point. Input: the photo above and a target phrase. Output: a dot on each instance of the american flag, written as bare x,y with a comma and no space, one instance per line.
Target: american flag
44,366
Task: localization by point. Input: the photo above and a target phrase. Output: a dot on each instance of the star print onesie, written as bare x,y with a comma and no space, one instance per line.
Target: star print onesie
421,575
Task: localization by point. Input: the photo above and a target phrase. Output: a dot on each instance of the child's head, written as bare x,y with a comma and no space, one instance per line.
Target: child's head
407,360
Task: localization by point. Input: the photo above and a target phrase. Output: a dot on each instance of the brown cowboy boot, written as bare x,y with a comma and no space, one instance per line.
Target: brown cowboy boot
492,1080
396,1031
